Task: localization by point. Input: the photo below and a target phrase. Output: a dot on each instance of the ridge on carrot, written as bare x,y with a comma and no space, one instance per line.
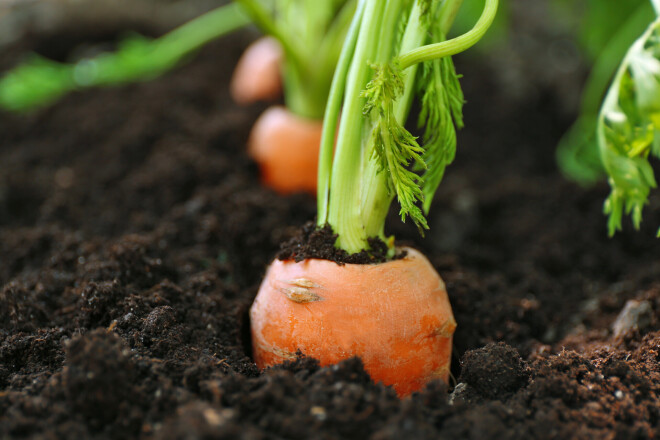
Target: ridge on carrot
394,315
309,33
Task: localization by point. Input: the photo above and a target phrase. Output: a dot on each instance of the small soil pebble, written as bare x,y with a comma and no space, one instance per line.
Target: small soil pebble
494,369
636,315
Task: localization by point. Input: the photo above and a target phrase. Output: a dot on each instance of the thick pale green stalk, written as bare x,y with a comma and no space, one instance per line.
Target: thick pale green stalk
311,33
359,199
305,95
331,117
344,213
374,197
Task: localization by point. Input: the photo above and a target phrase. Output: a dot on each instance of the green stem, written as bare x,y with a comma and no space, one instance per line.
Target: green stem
344,213
39,81
331,117
305,95
377,199
163,53
262,19
333,38
455,45
331,47
311,35
203,29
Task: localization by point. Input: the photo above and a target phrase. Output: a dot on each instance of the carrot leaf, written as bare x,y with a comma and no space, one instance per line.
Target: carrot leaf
441,114
629,130
375,158
394,147
39,82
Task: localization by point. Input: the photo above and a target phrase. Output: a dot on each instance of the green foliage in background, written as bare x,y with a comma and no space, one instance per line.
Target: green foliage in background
608,30
629,129
311,33
39,82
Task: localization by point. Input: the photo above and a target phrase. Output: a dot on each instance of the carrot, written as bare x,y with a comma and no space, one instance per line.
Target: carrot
395,316
286,147
302,51
257,76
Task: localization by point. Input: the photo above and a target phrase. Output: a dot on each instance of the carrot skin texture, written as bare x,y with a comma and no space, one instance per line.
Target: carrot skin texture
396,316
257,76
286,148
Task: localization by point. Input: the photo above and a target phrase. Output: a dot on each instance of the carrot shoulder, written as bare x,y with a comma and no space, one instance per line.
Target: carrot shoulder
395,316
286,148
257,76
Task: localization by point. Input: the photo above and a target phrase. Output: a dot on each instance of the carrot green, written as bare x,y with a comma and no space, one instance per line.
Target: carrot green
311,33
628,127
376,158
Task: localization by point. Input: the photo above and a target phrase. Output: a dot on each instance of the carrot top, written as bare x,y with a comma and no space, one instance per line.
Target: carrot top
377,75
311,33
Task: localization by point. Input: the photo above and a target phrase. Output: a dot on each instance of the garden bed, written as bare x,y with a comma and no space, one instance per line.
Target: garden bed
134,234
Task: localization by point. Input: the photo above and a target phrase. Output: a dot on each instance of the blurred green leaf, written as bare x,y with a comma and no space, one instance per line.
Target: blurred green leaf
39,82
628,129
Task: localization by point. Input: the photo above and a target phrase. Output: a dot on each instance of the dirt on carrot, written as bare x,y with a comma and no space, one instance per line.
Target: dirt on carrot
310,241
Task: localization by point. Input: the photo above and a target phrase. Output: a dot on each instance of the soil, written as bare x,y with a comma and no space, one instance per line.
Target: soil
134,234
312,241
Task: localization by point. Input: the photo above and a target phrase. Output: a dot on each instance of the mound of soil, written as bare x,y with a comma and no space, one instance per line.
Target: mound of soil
134,234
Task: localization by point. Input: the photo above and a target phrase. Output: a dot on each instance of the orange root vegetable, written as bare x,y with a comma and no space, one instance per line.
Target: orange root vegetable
395,316
286,147
257,76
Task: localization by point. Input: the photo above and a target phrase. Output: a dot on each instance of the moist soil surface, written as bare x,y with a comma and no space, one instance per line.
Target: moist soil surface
134,234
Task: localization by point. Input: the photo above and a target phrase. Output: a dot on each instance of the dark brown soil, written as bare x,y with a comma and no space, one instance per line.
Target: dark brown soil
134,234
319,242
